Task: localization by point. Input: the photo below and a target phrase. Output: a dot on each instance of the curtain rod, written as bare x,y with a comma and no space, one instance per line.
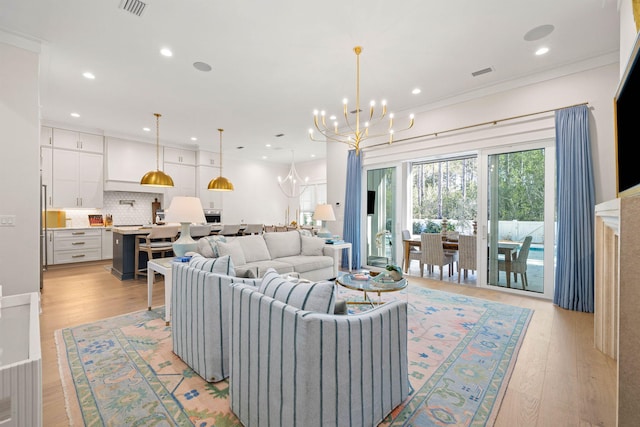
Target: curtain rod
492,122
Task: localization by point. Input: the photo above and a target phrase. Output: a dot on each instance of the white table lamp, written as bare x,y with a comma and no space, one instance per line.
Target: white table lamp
186,211
324,213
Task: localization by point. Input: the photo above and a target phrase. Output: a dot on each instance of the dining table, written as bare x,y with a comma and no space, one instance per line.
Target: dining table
449,245
508,249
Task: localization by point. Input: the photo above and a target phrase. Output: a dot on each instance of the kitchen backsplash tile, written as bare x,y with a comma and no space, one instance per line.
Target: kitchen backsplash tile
135,209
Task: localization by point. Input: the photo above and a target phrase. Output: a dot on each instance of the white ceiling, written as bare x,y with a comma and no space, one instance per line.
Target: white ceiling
274,62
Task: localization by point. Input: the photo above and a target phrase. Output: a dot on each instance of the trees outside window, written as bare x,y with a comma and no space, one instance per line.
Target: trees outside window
444,189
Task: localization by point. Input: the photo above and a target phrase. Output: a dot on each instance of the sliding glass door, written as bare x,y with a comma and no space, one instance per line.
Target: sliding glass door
519,229
381,206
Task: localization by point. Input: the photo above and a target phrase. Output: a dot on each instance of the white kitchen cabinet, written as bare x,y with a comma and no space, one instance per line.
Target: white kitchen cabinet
77,245
107,243
210,199
208,158
77,179
46,136
126,163
180,156
46,172
184,181
72,140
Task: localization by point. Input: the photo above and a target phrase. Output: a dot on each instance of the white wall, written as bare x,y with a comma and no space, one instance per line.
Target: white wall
19,169
627,33
257,197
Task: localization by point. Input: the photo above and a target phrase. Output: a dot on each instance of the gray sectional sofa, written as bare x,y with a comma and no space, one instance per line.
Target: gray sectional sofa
286,252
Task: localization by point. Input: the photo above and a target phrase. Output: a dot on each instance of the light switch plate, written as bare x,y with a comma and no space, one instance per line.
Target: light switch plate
7,220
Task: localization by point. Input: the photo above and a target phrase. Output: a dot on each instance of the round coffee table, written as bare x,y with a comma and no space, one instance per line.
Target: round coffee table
371,284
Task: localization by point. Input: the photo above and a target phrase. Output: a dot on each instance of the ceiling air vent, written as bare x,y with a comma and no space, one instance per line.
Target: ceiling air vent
133,6
481,72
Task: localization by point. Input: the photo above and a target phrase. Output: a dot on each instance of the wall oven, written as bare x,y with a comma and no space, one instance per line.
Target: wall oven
213,215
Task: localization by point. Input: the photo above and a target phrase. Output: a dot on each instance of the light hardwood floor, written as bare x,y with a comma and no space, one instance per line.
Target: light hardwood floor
560,379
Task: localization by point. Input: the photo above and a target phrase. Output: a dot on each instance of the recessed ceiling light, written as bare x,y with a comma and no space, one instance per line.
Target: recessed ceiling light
332,117
88,75
542,51
267,145
313,155
202,66
75,115
538,32
166,52
146,129
193,138
416,91
264,157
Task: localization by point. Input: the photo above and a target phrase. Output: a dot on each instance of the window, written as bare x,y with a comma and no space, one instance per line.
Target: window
444,189
312,195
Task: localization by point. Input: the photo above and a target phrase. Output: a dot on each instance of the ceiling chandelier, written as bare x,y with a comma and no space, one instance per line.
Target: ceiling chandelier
157,178
354,134
291,185
220,183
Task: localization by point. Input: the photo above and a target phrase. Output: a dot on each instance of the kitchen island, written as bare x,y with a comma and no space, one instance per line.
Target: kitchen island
124,251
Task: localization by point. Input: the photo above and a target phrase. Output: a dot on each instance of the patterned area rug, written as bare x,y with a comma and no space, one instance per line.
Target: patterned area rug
121,371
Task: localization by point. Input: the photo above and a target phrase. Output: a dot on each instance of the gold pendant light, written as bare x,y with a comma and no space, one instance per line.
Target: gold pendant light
220,183
157,178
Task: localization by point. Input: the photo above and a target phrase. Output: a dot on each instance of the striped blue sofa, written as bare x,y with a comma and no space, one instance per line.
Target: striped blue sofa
291,367
200,319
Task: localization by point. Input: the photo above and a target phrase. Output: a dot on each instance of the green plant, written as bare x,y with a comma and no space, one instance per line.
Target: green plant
391,267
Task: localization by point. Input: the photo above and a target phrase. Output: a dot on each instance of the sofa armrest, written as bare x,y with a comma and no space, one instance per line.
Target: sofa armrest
199,319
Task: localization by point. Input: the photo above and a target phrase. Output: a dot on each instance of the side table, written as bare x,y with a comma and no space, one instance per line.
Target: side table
162,266
337,255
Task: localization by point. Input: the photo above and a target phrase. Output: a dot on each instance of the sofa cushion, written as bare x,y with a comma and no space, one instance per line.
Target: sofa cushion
220,265
208,246
312,246
302,264
233,249
318,297
283,243
254,248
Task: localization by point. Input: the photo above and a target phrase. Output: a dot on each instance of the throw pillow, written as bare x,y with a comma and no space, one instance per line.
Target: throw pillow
208,246
234,250
318,297
221,265
254,248
312,246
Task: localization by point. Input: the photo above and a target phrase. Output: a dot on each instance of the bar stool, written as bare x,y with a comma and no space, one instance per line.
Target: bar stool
159,240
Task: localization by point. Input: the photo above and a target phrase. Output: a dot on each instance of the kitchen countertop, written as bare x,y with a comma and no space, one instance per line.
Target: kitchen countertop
136,229
80,228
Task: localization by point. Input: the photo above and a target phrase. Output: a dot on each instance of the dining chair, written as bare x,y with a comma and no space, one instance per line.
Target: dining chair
433,253
519,264
159,241
467,254
200,230
229,230
414,252
253,229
